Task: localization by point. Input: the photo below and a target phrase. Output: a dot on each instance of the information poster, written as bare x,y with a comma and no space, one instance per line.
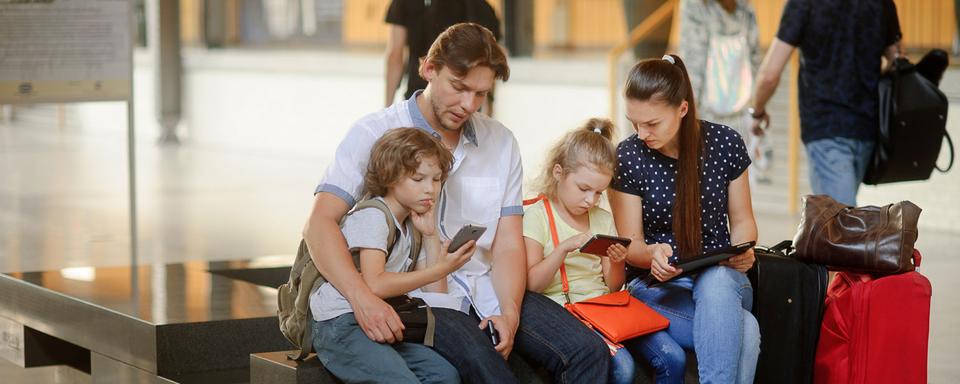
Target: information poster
64,50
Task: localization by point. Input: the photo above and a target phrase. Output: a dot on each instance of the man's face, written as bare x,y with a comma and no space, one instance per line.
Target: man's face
452,98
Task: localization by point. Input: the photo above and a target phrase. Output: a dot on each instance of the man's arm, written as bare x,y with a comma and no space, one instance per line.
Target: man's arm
768,78
396,44
328,250
509,278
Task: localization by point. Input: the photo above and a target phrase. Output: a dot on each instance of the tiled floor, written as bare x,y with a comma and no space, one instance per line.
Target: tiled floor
63,195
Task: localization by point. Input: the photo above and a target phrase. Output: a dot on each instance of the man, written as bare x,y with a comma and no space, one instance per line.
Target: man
414,25
841,43
483,188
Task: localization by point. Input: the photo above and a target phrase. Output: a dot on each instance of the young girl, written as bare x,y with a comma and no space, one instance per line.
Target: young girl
680,183
578,169
405,172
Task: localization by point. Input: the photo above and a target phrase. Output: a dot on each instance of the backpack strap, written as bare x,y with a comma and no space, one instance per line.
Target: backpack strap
415,238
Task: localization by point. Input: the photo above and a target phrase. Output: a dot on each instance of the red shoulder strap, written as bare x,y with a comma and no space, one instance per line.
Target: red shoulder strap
556,241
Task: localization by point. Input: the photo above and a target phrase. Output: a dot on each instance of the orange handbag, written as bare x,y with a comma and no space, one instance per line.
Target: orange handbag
618,316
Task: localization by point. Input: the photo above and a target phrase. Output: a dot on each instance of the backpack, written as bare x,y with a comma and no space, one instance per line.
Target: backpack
913,124
293,297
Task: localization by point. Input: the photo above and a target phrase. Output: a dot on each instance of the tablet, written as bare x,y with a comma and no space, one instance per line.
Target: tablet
710,258
598,244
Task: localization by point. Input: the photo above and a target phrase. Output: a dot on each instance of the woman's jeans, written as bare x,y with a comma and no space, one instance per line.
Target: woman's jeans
709,312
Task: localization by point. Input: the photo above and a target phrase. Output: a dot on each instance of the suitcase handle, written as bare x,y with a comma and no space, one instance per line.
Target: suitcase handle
916,258
782,247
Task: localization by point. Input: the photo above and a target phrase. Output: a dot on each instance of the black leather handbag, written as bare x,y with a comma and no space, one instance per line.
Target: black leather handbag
913,122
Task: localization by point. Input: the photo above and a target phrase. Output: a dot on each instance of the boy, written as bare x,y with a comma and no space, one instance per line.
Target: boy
405,172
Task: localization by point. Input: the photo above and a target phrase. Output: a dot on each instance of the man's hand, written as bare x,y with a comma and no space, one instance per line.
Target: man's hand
507,327
377,319
741,262
760,123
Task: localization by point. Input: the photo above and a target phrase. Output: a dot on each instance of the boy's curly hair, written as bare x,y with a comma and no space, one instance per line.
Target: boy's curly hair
398,153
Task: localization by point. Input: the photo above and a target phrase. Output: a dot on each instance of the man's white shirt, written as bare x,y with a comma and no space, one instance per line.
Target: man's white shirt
483,186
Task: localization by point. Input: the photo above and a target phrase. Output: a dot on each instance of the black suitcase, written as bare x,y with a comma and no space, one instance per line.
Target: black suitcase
788,302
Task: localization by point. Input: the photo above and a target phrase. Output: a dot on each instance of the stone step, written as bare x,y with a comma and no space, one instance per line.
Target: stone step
276,368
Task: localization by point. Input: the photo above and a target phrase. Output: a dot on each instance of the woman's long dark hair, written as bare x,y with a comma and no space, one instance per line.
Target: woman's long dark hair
668,82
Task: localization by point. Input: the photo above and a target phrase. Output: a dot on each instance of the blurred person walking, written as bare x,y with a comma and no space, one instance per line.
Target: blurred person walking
841,43
719,40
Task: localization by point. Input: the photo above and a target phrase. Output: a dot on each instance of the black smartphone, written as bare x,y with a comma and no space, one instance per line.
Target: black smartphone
492,332
598,244
467,233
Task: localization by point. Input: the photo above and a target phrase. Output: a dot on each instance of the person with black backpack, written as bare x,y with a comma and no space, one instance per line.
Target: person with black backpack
841,44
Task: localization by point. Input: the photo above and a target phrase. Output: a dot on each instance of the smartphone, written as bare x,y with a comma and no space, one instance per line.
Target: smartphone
467,233
598,244
493,333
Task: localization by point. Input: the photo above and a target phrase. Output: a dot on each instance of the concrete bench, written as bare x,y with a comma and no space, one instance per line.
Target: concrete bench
186,322
275,368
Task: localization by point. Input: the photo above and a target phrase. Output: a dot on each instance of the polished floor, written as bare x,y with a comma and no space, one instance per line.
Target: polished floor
240,185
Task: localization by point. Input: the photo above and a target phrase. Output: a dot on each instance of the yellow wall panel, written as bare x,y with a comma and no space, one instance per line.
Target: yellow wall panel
363,21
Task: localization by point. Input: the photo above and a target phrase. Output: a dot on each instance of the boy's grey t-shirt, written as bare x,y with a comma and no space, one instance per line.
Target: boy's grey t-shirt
364,229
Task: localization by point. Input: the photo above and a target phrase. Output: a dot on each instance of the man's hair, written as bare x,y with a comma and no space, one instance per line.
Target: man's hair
398,153
465,46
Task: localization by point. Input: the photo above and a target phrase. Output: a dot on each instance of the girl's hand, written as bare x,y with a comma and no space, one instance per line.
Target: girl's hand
617,253
574,242
425,223
453,261
741,262
660,266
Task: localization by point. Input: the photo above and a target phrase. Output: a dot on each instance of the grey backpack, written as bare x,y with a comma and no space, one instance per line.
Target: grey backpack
293,297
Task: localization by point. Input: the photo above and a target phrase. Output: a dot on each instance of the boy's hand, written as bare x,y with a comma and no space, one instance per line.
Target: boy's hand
425,223
617,253
453,261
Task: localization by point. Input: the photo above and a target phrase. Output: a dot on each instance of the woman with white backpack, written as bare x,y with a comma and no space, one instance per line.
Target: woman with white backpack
719,42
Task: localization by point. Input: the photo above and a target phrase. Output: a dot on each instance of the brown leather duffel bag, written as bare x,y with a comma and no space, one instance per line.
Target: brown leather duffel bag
874,240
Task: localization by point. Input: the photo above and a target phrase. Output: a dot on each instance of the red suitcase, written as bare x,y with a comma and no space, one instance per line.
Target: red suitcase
875,330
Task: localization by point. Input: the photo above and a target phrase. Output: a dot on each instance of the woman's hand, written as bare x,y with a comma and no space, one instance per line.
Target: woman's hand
617,253
660,266
426,222
741,262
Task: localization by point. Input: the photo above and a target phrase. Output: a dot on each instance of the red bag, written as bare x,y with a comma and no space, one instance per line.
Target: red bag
875,330
616,315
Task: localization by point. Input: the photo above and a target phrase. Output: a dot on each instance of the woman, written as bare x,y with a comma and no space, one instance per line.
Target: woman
680,182
720,40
